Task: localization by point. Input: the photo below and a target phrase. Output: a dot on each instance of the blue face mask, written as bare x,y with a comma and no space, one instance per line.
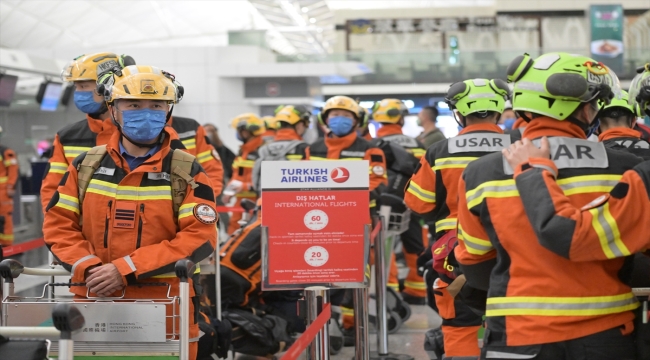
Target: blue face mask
143,125
85,102
239,137
340,125
509,123
593,127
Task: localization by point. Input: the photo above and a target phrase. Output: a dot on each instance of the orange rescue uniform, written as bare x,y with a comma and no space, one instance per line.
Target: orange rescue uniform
242,170
147,239
8,178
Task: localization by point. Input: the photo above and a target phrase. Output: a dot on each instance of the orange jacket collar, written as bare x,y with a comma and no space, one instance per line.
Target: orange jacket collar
341,142
520,122
545,126
481,127
252,144
286,134
98,125
618,133
151,164
367,136
389,129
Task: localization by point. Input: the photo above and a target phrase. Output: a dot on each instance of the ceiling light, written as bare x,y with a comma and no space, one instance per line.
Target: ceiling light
312,20
304,9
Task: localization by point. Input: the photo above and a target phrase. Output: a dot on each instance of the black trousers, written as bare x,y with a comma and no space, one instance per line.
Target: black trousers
606,345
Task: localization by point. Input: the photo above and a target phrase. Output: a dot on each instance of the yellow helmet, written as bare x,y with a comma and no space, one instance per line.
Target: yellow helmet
140,82
250,122
292,114
269,122
389,111
343,103
92,66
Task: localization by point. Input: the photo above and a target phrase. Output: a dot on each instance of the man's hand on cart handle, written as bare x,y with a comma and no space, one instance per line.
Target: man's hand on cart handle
104,280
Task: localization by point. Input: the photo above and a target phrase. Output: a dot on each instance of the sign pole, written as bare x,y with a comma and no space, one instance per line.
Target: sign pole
361,346
316,297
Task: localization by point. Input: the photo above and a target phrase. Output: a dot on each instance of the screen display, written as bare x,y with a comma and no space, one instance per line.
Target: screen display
7,88
51,96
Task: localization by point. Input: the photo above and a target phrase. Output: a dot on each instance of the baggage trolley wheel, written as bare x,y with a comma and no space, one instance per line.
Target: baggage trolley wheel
404,311
394,322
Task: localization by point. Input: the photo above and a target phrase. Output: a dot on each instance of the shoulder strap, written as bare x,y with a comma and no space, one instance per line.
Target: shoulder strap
87,168
180,177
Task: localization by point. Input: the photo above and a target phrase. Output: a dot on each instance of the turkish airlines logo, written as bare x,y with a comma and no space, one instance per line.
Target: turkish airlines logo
340,175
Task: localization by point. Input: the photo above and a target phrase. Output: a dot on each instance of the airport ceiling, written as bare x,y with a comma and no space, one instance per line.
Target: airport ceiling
294,26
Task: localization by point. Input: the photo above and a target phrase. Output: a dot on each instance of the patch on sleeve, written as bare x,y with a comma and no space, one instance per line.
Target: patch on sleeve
620,190
376,158
378,170
596,202
205,214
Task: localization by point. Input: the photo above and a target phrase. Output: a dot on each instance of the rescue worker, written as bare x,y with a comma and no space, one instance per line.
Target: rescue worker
249,131
540,305
427,120
8,179
390,114
270,125
341,116
194,138
125,227
73,140
291,123
433,192
617,122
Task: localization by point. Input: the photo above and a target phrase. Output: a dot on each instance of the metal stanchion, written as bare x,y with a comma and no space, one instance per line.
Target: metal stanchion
361,347
184,270
383,249
217,277
315,298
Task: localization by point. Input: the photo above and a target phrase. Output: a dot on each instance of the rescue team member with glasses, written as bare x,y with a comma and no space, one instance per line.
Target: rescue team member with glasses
617,122
541,305
8,177
612,226
342,116
249,131
124,228
390,114
97,129
433,192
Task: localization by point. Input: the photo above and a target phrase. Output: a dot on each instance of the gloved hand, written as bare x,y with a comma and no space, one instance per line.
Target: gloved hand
423,259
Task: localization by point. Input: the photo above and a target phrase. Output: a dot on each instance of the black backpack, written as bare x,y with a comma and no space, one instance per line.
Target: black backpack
258,334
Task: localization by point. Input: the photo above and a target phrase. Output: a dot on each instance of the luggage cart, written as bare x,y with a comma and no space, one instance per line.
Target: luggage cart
115,327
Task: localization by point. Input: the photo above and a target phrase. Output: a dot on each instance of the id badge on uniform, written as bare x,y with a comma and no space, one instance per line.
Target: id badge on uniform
124,216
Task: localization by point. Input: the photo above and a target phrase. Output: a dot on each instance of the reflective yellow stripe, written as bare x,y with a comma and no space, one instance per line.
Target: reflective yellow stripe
173,275
189,143
347,311
495,189
424,195
560,306
244,163
121,192
246,194
610,237
373,203
394,286
74,151
9,162
3,179
328,159
8,237
186,210
417,285
452,163
68,202
473,244
294,157
418,153
588,184
58,167
446,224
204,156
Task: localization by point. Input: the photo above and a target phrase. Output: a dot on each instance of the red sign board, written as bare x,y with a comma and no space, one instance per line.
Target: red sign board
316,215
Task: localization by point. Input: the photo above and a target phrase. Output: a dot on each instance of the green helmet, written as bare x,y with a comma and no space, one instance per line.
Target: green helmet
555,84
639,97
478,96
619,101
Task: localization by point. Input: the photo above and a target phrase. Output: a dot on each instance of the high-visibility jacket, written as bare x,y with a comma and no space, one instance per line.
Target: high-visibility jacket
70,142
196,142
8,179
353,147
625,139
536,296
268,136
286,145
614,225
128,219
242,167
393,133
433,188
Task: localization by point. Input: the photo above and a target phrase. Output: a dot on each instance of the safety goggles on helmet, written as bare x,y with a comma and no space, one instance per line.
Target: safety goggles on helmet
639,96
555,84
140,82
249,122
292,114
389,111
93,66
